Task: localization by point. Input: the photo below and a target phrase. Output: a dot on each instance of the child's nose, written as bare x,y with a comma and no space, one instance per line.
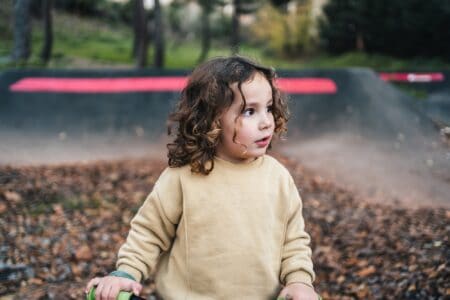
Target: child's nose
266,121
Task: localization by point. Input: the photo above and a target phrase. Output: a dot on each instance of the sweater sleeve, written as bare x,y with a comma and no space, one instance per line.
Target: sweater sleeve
296,263
152,229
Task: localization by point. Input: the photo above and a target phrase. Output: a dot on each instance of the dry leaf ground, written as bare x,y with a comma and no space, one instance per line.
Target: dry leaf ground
61,225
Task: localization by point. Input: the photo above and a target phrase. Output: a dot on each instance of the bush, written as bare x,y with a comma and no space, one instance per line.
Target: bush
109,10
289,32
394,27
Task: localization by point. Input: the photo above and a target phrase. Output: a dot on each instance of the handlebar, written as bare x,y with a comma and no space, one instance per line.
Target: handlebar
123,295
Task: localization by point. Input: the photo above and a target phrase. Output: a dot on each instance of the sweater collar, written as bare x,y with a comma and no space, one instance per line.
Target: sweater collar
247,165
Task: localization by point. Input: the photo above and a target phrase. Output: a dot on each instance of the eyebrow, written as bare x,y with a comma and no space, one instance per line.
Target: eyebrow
256,103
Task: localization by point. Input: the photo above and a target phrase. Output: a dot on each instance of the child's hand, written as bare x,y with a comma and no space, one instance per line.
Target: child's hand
298,291
108,287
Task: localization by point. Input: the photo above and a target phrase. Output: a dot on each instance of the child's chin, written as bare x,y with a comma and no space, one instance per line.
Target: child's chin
257,153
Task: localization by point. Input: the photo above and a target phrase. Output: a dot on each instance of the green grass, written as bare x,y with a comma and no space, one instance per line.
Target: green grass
88,39
91,43
376,61
6,34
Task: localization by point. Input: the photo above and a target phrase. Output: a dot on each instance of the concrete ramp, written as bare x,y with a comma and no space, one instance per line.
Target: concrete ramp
346,124
78,114
371,138
364,105
42,127
437,105
361,103
435,84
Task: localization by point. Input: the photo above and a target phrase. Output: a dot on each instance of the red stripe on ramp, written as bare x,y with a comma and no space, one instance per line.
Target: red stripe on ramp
412,77
99,85
152,84
307,85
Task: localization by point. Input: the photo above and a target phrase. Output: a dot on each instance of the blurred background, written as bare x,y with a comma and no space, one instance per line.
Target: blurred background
86,87
383,35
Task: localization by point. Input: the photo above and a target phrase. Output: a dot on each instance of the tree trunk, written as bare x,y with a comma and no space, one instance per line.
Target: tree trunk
22,31
140,43
360,42
135,20
235,27
206,34
48,31
159,37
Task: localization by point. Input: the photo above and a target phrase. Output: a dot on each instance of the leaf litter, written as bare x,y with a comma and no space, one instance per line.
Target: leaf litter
62,225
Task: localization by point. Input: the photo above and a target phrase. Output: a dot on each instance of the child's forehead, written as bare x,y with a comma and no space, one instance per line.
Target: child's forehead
256,79
258,84
254,90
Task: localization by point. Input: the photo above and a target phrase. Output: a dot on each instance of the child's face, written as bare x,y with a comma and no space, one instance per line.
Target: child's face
254,126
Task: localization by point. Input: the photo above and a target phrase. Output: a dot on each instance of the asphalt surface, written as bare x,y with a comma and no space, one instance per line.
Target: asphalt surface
369,135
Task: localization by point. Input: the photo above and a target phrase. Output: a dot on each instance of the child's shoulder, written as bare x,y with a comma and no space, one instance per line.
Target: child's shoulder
174,172
276,166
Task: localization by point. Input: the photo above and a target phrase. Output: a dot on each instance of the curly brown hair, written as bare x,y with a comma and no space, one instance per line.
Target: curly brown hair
206,96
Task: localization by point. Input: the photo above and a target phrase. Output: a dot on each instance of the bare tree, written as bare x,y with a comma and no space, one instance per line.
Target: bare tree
140,43
207,7
22,31
48,31
240,7
158,34
235,24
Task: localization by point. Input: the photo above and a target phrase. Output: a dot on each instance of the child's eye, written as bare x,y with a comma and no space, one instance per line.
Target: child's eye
270,108
248,112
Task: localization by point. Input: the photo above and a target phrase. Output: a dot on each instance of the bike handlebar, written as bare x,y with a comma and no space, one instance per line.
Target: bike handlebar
123,295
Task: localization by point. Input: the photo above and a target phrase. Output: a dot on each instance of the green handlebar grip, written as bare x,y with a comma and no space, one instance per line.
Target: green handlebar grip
122,295
282,298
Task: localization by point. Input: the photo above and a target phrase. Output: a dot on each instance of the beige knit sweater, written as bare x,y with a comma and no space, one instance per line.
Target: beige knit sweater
235,233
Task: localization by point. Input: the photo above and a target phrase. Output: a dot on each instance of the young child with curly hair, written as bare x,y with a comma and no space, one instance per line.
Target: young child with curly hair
224,220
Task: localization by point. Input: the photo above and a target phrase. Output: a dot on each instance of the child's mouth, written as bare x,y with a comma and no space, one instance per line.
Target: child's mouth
263,142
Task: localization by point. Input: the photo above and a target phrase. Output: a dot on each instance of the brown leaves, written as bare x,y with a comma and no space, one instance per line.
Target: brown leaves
366,271
363,250
62,225
12,196
3,207
83,253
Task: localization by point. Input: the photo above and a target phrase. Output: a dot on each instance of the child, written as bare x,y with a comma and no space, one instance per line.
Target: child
224,221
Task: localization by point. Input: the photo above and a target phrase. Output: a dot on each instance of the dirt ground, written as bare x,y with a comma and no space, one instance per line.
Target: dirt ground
62,224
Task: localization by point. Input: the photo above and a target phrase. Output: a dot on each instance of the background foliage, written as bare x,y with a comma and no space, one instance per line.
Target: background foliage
392,27
382,34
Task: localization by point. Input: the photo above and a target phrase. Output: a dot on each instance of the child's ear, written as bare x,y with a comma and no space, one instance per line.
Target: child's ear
217,124
215,130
